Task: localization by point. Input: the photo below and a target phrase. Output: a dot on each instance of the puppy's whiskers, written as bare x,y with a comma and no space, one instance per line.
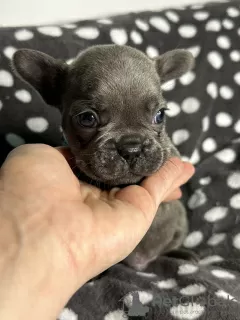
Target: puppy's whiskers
106,135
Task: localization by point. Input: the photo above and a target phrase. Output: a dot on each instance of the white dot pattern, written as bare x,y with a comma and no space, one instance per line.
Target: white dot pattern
90,33
14,140
170,85
195,51
144,297
226,92
215,59
23,35
193,290
213,25
147,275
209,145
174,109
180,136
223,274
211,260
187,268
228,24
116,315
212,90
172,16
119,36
160,24
201,15
205,124
6,79
136,37
105,21
190,312
223,119
195,158
233,180
190,105
237,126
9,52
197,199
69,26
237,78
224,295
205,181
166,284
235,201
236,241
216,239
235,55
187,31
193,239
152,52
223,42
142,25
226,155
37,124
233,12
51,31
67,314
23,96
215,214
188,78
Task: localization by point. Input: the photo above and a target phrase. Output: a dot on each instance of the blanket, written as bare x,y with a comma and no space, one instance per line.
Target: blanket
204,123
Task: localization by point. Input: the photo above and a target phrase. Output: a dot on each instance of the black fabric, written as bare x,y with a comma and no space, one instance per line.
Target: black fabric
204,123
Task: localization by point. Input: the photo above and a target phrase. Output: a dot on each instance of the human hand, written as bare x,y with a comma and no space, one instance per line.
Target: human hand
57,233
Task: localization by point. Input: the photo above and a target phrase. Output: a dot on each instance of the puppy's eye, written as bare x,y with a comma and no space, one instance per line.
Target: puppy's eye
159,116
87,119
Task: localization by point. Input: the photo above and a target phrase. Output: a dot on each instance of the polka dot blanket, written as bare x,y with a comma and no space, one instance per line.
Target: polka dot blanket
204,122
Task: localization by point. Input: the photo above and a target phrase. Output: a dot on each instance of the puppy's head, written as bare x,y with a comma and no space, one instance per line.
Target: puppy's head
112,106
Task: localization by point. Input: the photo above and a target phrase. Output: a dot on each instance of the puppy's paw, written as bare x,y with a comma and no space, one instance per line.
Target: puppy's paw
183,254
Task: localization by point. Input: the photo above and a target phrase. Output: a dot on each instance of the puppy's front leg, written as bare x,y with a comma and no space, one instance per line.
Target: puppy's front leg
167,233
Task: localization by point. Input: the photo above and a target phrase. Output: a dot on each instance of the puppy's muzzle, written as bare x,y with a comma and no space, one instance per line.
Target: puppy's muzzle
130,147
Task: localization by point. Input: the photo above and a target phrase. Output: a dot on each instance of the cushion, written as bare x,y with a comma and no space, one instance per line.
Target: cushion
204,123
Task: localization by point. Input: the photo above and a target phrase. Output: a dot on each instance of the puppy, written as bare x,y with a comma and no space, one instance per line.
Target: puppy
113,119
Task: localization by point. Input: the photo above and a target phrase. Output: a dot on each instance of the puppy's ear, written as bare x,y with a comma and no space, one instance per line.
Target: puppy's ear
44,73
173,64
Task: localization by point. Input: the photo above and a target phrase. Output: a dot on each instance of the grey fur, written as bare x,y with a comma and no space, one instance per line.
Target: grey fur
123,87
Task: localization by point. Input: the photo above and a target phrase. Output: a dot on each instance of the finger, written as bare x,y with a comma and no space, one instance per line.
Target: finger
29,151
187,173
160,184
175,195
38,166
154,189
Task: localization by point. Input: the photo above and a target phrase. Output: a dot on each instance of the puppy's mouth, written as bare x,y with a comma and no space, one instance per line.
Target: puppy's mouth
105,178
90,176
105,168
97,182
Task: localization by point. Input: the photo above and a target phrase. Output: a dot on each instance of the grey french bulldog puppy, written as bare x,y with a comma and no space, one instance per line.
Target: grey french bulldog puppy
113,118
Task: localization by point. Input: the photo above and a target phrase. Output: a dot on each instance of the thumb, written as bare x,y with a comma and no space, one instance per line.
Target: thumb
171,176
154,189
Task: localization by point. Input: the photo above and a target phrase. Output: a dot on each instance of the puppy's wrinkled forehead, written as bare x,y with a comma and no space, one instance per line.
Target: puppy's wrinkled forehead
114,75
110,74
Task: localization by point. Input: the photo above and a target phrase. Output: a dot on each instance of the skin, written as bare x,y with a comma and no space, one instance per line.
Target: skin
57,233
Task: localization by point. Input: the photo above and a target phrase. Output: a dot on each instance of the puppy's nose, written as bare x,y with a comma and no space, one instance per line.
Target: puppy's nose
130,147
